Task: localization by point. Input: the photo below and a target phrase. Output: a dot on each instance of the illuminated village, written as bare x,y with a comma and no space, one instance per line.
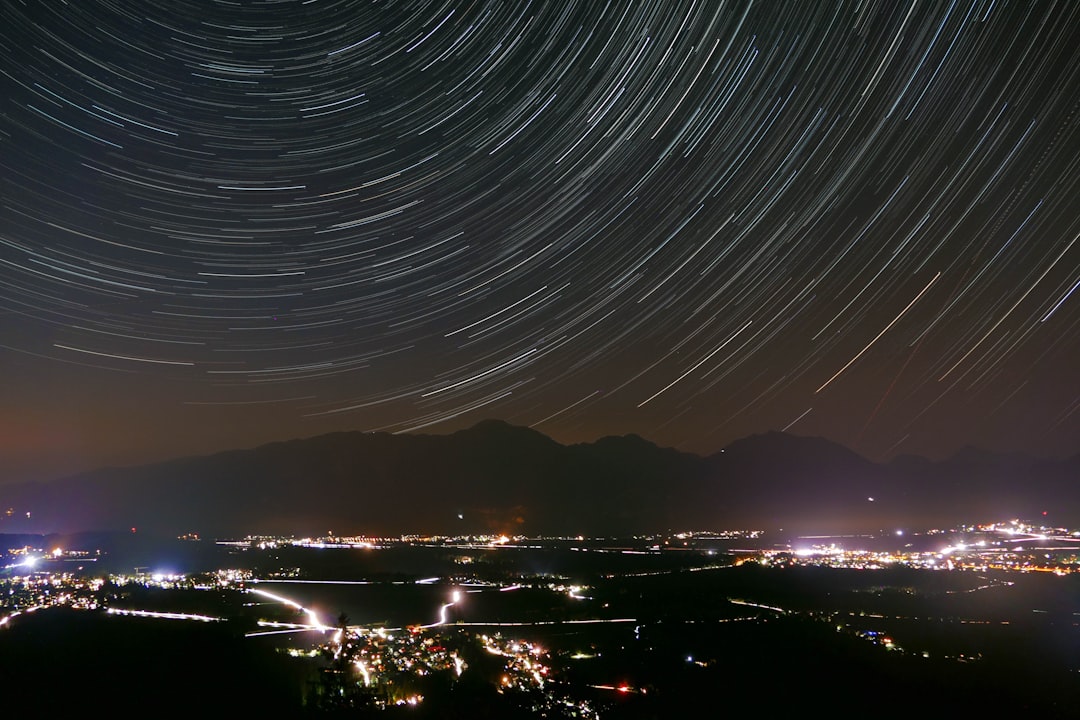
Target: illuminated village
379,666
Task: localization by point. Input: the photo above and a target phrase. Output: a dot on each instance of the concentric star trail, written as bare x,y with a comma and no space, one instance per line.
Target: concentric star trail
227,223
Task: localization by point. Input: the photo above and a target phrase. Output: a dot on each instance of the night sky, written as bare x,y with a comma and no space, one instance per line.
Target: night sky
226,223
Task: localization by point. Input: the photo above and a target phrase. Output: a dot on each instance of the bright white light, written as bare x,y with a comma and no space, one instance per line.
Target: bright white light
363,671
316,624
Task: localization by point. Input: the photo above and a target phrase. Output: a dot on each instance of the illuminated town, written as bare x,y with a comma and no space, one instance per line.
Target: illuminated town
385,665
1012,546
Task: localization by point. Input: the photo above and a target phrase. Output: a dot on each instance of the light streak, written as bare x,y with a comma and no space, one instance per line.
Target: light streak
316,624
886,329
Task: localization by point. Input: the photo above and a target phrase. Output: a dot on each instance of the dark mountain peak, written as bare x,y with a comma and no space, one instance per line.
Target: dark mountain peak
616,441
782,447
493,430
631,449
493,425
496,476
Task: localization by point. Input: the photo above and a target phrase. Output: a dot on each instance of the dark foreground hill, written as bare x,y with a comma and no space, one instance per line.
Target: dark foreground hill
496,477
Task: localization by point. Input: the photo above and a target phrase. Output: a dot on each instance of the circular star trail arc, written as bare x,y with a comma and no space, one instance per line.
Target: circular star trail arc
691,220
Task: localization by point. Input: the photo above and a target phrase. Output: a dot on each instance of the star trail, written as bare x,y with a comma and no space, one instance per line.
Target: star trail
225,223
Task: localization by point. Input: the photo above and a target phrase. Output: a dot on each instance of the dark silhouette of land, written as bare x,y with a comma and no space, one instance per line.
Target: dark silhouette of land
495,477
690,653
64,660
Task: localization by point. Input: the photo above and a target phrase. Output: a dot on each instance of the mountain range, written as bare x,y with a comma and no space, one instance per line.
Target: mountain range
499,478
